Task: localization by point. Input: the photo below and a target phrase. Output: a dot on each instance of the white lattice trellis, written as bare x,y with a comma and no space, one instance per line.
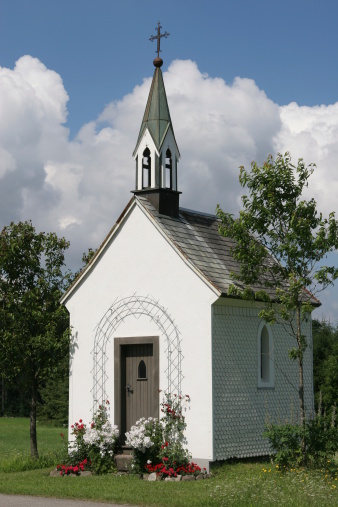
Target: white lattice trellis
135,306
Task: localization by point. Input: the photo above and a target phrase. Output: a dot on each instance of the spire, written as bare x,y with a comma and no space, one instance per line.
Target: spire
156,152
156,116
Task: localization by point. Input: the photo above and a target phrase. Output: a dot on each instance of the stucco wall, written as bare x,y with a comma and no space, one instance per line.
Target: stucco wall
140,260
240,406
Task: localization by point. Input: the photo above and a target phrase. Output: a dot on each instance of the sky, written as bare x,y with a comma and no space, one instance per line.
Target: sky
244,80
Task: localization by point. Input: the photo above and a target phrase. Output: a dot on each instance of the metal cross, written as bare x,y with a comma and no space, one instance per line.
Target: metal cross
158,37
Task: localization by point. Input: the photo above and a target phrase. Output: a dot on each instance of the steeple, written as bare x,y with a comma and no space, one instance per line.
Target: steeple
156,152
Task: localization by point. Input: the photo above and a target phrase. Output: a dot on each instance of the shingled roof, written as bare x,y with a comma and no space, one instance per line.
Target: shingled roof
196,236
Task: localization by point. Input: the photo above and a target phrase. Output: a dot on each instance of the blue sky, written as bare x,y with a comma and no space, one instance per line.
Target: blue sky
243,78
101,49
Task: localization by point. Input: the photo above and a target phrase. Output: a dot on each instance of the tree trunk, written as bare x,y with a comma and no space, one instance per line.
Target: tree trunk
301,385
32,429
300,371
3,394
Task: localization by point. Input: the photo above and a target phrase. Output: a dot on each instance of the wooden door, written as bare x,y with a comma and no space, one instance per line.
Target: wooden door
139,381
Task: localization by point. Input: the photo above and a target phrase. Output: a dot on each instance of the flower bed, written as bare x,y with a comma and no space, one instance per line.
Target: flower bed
93,447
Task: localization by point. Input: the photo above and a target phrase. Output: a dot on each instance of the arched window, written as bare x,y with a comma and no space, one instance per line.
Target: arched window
146,169
142,370
168,170
265,356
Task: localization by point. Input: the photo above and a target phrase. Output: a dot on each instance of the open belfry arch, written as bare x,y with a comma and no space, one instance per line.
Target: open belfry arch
156,152
133,307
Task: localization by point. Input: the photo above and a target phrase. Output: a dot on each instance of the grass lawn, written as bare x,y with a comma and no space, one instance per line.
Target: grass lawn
239,484
15,446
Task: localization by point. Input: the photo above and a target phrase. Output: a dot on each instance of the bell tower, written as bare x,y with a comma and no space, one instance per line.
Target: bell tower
156,152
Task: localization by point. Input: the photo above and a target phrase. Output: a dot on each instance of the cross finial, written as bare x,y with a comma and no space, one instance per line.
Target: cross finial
158,37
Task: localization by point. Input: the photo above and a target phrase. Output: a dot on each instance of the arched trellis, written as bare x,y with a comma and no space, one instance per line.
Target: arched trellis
135,306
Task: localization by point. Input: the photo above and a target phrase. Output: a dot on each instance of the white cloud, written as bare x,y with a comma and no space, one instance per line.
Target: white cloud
78,188
311,133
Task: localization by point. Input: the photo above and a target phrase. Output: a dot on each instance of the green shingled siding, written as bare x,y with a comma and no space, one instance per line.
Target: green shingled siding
240,408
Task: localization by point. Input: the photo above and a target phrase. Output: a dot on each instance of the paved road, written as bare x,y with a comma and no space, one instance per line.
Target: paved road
35,501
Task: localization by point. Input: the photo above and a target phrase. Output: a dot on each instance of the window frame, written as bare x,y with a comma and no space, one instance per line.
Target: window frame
270,381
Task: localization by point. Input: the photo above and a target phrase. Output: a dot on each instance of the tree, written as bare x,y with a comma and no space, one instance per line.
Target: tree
34,336
280,241
325,364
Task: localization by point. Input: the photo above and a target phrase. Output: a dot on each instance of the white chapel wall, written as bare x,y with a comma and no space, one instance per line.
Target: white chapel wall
140,260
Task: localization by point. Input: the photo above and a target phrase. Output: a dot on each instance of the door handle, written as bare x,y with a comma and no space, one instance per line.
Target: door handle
129,389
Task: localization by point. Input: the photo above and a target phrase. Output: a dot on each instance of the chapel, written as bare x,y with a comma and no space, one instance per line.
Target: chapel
151,314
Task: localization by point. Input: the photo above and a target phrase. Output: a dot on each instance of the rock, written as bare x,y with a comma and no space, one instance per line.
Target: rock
169,479
178,478
188,478
55,473
152,477
123,462
208,476
199,477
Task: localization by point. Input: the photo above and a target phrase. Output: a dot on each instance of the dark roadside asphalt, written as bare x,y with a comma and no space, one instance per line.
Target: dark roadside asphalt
38,501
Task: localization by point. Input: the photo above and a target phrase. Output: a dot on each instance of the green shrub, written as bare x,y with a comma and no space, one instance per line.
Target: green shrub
320,435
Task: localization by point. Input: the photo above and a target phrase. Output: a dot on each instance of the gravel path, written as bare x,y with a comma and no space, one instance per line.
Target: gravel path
38,501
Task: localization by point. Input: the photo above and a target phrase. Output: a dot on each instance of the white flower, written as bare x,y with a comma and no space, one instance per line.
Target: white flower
138,436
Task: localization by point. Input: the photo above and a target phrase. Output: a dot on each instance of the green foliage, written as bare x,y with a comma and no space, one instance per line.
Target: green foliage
54,396
285,441
325,364
320,435
34,336
14,399
174,454
280,240
280,237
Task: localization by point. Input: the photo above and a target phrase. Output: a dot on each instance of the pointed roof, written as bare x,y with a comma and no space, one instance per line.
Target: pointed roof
195,237
156,116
